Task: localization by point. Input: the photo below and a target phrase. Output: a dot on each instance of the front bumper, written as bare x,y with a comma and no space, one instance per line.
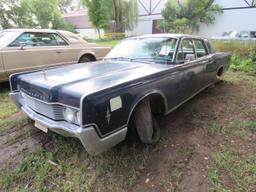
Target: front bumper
88,136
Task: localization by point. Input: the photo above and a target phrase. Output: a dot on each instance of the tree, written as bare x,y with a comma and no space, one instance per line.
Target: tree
186,16
69,5
99,13
13,13
125,14
47,13
33,14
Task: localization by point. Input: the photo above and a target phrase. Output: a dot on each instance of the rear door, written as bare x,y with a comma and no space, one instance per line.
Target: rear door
66,53
30,50
3,75
190,69
207,60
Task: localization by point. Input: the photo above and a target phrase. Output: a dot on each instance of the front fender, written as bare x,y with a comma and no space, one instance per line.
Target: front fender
111,112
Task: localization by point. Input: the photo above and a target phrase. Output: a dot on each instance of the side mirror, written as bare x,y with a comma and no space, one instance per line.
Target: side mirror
22,45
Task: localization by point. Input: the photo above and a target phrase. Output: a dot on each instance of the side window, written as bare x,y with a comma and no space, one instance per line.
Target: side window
200,48
45,39
27,39
36,39
60,40
186,51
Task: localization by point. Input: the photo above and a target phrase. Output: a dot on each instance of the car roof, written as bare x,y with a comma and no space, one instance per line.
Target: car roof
31,30
168,35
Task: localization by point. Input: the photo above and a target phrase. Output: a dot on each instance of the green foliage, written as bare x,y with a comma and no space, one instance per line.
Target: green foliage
239,63
98,13
187,15
33,14
242,48
244,54
125,14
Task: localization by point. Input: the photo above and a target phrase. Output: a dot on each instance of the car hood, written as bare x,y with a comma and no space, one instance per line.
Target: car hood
69,83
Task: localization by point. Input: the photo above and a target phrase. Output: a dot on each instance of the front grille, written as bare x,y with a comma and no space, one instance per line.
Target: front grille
53,111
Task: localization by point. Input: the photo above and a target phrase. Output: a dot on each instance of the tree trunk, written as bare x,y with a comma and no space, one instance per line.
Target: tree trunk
99,33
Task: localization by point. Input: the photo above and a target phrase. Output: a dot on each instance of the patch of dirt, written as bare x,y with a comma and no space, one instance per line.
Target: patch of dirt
14,141
182,159
188,127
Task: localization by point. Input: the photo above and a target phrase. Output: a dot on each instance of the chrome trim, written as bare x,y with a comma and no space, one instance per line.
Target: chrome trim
89,138
48,103
53,111
88,135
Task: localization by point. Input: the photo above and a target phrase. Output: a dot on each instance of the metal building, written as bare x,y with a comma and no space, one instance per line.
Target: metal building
238,15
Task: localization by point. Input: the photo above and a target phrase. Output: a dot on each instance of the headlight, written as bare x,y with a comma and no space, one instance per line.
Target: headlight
69,115
72,116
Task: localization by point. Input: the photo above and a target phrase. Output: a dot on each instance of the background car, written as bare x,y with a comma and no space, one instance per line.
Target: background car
234,35
28,49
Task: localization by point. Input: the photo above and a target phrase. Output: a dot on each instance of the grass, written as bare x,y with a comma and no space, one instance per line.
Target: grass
234,46
111,43
244,54
7,109
67,167
238,170
237,127
234,162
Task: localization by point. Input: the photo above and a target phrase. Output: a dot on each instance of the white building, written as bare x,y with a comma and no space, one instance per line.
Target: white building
238,15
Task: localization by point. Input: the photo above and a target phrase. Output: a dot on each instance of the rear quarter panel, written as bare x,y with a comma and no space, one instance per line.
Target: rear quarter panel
223,59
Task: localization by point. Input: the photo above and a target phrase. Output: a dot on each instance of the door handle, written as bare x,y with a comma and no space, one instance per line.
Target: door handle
59,52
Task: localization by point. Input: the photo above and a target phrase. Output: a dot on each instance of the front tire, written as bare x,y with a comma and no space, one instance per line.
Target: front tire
146,125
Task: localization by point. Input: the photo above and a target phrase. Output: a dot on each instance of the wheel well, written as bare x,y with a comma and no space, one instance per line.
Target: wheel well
157,104
220,71
92,57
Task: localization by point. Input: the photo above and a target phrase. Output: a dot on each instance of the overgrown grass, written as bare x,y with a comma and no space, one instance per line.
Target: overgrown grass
244,54
241,48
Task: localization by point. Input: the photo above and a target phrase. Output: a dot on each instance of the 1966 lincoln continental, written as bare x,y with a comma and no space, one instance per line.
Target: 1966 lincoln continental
140,77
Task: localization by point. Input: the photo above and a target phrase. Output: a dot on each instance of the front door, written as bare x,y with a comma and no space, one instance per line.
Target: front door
31,50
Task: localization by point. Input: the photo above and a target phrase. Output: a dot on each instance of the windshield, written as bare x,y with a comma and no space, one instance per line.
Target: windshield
5,37
157,50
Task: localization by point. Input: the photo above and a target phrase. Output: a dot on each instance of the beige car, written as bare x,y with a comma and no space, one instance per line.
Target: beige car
28,49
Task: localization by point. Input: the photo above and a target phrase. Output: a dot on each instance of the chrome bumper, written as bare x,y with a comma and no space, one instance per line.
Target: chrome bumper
88,136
